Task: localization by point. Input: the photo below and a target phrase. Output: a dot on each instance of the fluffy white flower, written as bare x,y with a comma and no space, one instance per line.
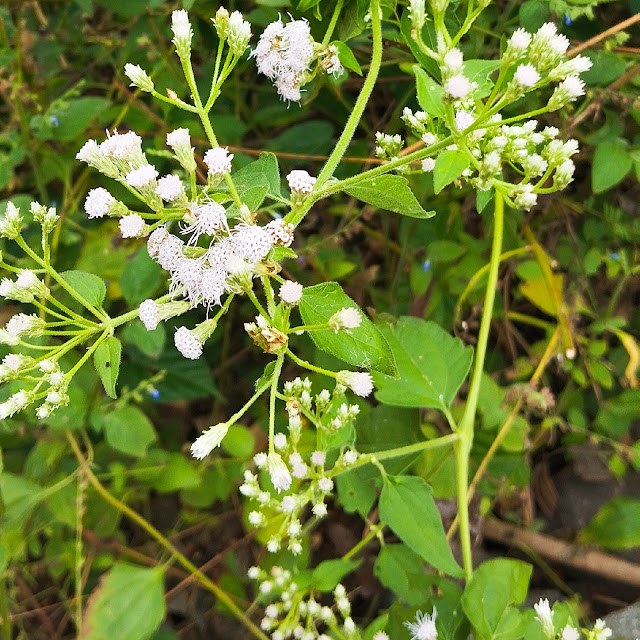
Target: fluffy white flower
428,164
527,76
575,66
122,146
278,471
291,292
345,319
359,382
600,631
452,62
170,187
209,219
281,232
155,240
182,32
149,314
98,202
458,87
218,161
519,41
131,226
463,120
279,441
318,457
209,440
187,343
570,633
142,177
300,181
138,76
23,324
238,33
424,628
178,138
250,242
545,617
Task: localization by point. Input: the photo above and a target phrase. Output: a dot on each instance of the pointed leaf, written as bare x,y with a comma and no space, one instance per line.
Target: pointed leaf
88,285
346,57
389,192
128,605
432,365
107,362
407,506
362,347
449,166
128,430
429,93
496,585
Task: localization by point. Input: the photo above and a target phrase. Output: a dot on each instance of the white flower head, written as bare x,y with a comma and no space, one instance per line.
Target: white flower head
132,226
428,164
570,633
424,628
452,62
278,471
463,120
187,343
238,33
281,232
98,202
218,160
545,617
170,188
458,87
138,76
209,440
345,319
300,181
142,177
527,76
359,382
600,631
182,32
291,292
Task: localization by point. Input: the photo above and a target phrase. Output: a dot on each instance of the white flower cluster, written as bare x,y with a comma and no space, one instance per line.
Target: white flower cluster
387,146
16,366
284,54
544,615
296,613
289,462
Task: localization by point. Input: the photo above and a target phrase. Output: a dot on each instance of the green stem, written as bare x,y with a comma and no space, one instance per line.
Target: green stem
417,447
87,354
465,427
221,595
272,401
308,327
361,102
332,24
308,365
374,531
257,305
4,611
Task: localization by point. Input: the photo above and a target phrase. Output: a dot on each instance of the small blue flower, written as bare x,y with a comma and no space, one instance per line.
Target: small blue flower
567,20
614,255
302,261
426,265
54,120
277,216
154,393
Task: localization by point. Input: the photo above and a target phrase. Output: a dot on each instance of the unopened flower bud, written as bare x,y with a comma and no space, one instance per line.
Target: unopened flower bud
139,77
209,440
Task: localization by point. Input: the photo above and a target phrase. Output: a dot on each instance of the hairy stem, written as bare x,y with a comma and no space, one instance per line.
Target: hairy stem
465,427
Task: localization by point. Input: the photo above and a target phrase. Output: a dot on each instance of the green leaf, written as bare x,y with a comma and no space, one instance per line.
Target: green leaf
429,93
432,365
611,163
487,601
89,286
151,343
363,346
304,5
140,278
389,192
357,490
178,473
76,115
257,180
106,359
328,574
615,526
483,198
377,625
128,604
407,506
401,570
239,442
449,166
478,71
128,430
347,59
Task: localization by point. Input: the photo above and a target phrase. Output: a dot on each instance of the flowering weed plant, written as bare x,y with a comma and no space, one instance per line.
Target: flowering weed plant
218,236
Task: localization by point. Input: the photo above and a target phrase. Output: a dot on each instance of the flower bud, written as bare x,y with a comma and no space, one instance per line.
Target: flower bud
139,77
